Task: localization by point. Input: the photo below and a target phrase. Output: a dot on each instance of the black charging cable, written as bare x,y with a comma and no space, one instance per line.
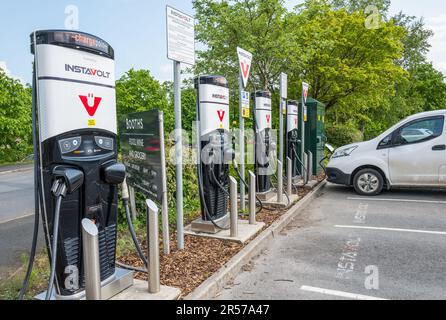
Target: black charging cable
300,162
125,201
59,191
32,255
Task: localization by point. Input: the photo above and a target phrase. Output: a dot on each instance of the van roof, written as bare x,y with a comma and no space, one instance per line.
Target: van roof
427,114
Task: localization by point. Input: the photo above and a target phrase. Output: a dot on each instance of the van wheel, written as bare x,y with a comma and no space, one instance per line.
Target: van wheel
368,182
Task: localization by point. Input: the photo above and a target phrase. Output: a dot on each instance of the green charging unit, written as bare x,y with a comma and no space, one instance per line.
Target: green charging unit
315,138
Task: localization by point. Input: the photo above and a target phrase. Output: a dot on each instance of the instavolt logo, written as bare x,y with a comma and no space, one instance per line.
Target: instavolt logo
87,71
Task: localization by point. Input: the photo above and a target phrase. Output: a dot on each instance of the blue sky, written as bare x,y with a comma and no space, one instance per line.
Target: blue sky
136,29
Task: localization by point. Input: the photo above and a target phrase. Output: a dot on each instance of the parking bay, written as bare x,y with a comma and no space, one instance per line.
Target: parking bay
348,247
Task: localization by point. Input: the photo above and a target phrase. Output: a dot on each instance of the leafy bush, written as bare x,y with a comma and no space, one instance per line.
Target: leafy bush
15,120
343,134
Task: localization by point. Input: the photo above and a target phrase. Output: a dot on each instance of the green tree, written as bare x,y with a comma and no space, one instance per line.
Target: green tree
343,60
361,5
255,25
350,67
138,90
15,119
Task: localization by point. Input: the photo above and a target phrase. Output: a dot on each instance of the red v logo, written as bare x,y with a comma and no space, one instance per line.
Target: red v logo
268,118
91,109
221,114
245,69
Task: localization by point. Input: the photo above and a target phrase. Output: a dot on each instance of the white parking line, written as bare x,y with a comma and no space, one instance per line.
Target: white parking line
392,229
339,293
397,200
17,218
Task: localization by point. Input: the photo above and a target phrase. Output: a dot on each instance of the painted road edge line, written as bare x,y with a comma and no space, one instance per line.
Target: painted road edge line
397,200
27,215
392,229
339,293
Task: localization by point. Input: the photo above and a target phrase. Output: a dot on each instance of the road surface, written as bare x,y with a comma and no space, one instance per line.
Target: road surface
347,247
16,217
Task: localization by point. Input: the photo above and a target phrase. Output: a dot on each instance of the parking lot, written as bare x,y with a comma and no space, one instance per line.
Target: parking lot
348,247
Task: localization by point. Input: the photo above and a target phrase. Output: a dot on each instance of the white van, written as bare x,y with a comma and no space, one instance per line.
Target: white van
410,154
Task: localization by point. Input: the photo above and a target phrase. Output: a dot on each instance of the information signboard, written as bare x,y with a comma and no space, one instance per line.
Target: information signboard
180,36
141,152
245,104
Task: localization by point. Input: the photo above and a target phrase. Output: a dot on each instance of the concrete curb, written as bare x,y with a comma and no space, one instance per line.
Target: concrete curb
210,288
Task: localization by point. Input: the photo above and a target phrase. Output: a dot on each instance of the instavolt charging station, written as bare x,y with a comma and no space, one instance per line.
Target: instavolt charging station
214,153
77,173
292,136
264,144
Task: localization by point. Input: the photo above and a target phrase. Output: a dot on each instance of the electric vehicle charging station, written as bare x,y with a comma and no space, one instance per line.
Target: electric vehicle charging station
292,136
213,153
264,144
78,173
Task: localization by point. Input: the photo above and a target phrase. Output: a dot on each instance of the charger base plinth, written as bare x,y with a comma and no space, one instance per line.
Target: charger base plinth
245,232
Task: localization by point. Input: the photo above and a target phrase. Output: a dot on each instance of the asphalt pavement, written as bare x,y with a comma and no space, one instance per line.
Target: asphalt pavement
348,247
16,217
16,194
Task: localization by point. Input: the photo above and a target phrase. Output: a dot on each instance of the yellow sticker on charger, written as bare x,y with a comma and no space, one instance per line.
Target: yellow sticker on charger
92,123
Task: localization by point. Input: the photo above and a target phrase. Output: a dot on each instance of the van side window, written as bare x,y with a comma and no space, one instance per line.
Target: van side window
386,142
420,131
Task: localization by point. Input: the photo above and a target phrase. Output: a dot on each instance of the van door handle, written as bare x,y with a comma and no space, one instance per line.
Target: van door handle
440,147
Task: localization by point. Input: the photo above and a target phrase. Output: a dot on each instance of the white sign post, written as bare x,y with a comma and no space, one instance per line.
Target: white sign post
181,49
305,89
245,104
282,112
245,60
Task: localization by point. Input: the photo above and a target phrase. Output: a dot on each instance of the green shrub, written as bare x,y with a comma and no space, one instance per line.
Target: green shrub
343,134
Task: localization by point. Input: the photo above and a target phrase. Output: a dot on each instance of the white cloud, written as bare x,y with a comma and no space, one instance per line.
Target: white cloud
4,67
166,72
437,53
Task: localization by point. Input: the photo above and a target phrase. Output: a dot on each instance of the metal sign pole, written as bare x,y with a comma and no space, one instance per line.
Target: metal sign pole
282,111
245,61
302,130
180,49
165,209
242,147
178,154
282,101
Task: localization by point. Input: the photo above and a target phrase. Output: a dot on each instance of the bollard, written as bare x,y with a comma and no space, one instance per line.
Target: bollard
310,166
153,247
305,172
133,204
252,198
90,242
234,212
279,181
289,164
